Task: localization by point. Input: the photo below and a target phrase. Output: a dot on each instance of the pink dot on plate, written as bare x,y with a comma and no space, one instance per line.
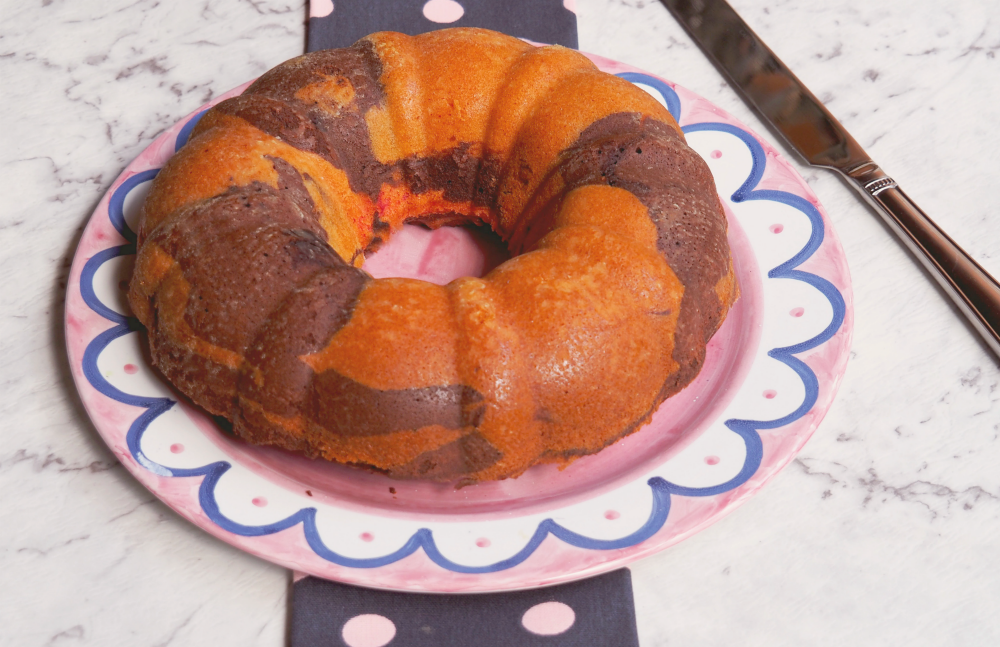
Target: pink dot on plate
777,228
797,312
716,154
612,515
368,630
131,369
176,448
548,618
770,394
259,501
443,11
483,542
366,536
712,460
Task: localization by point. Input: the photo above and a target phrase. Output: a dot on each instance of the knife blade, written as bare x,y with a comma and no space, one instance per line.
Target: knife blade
805,124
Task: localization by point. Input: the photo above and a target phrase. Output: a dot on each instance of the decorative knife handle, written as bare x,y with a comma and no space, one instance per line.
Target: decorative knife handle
974,291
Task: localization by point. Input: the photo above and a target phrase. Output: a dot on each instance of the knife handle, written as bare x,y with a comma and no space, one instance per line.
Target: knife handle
974,291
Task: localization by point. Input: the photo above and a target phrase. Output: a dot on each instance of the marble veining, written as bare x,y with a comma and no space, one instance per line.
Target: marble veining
881,532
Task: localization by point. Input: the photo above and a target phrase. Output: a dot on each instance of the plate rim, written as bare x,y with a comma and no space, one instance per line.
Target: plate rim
152,480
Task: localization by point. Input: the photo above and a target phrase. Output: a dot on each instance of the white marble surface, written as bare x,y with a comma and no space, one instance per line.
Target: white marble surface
882,532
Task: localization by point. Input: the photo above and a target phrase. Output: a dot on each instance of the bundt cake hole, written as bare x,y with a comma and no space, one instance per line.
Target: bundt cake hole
438,254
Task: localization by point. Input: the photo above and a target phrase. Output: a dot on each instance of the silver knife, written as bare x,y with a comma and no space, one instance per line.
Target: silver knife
806,125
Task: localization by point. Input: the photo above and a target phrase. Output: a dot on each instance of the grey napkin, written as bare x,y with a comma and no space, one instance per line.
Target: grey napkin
598,612
338,23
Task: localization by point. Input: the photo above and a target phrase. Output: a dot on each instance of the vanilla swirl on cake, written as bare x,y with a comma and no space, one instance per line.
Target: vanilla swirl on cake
251,240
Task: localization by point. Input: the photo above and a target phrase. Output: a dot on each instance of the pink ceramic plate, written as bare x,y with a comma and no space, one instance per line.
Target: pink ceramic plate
771,373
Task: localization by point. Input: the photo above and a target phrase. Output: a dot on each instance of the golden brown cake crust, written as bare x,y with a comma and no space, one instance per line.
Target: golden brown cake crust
247,272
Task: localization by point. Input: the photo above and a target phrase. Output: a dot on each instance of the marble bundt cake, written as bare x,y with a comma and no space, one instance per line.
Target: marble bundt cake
248,275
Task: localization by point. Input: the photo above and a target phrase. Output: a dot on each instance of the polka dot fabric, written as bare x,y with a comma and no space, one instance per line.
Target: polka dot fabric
341,22
597,611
